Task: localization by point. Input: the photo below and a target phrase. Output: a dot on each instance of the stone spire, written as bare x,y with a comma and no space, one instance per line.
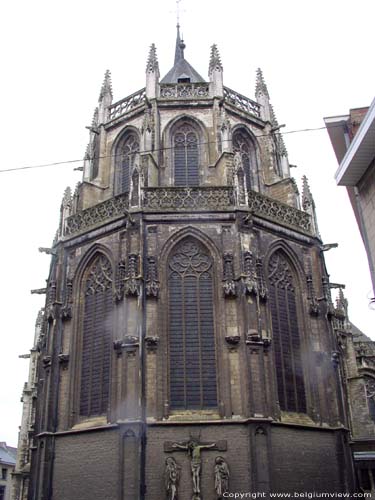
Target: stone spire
215,61
180,46
260,86
308,206
95,118
341,302
262,96
282,151
267,114
105,98
341,321
152,74
152,61
215,73
106,87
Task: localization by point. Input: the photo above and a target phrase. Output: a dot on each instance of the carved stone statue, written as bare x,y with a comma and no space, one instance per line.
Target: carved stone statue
221,477
172,477
194,449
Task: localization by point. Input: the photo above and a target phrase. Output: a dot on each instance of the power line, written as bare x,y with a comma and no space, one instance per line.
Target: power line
67,162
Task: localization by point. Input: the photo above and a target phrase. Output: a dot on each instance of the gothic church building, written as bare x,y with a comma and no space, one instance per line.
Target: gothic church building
188,346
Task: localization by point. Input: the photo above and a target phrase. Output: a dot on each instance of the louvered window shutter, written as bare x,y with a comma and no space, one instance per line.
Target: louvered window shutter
191,330
286,338
96,338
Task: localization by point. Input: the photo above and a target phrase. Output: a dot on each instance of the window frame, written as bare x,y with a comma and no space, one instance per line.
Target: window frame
171,253
300,406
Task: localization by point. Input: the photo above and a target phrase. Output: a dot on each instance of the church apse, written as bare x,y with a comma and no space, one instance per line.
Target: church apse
184,353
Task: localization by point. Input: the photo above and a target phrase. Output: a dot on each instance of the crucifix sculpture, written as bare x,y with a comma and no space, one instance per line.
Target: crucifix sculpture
194,449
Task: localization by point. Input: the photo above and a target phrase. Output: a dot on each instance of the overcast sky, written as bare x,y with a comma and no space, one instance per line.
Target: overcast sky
317,59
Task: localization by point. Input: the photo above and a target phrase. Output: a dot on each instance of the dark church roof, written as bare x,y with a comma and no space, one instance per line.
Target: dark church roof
181,70
358,335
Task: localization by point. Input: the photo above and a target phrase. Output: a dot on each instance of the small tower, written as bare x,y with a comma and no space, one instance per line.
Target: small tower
152,74
215,73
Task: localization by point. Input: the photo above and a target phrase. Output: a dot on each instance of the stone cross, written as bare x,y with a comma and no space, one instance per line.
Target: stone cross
194,449
178,11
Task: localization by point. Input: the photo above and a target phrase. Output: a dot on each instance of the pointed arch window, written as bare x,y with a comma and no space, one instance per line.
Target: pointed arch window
126,155
186,155
192,360
286,338
96,337
245,147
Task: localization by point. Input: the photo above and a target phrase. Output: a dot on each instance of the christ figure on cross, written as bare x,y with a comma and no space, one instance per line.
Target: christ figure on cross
194,448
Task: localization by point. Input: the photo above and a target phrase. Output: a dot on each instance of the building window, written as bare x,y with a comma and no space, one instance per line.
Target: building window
126,154
286,338
191,331
4,474
245,147
2,492
96,337
186,156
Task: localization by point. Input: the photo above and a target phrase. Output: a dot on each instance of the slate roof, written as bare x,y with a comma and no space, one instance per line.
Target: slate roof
7,454
181,68
359,336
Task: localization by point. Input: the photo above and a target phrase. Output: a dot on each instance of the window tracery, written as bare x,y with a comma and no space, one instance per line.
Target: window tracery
286,338
126,156
96,337
243,145
192,341
186,155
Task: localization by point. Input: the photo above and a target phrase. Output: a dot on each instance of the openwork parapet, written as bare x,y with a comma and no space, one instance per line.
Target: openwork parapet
275,210
241,102
103,212
184,90
121,107
196,198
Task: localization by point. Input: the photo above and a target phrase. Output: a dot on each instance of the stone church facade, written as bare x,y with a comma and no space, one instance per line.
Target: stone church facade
189,344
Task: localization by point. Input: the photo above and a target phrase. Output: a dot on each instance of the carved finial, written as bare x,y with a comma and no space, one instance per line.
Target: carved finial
341,302
280,140
95,118
107,86
261,87
87,152
39,318
152,61
308,206
215,61
67,198
307,199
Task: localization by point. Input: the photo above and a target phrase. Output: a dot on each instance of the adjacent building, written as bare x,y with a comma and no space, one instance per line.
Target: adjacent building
7,463
353,140
189,345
